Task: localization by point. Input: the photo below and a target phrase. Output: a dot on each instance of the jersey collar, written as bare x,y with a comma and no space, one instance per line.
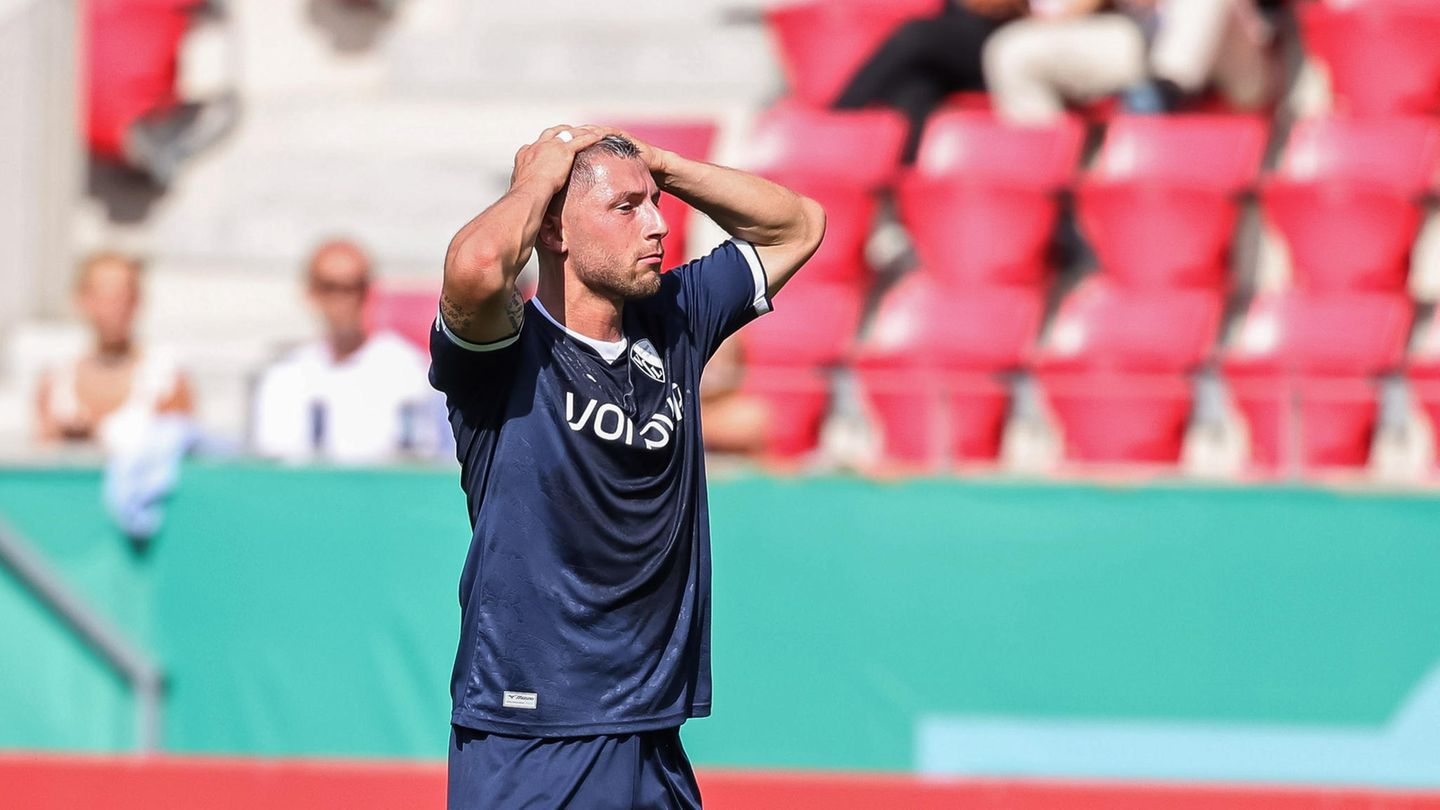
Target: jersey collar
610,350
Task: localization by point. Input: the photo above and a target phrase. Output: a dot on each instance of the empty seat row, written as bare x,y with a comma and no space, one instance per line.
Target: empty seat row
1159,204
1116,368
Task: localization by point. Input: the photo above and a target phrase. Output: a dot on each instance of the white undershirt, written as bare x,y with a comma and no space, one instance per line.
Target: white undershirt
608,349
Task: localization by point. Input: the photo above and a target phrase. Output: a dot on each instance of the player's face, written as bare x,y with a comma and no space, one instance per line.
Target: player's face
614,231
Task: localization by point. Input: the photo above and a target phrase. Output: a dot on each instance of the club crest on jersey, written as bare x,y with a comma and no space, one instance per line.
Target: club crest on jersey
643,355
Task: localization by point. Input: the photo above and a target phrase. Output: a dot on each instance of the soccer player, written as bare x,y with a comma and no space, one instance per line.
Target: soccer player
585,597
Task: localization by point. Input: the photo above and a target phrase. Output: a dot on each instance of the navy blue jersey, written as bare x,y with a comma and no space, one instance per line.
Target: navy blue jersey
585,598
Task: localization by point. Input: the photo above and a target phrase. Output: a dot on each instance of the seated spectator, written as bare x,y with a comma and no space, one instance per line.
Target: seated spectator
110,397
732,420
350,396
1160,52
926,60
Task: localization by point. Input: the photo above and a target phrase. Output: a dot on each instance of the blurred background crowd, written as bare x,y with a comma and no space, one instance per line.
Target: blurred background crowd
1066,236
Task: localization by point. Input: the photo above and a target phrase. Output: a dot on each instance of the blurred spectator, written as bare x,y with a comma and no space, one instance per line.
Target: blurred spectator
133,113
110,397
927,59
1160,52
350,396
732,420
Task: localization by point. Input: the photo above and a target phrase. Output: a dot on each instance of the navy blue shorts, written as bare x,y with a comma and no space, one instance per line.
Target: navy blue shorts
646,770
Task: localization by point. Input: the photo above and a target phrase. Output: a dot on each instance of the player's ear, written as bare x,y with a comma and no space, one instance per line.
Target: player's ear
552,232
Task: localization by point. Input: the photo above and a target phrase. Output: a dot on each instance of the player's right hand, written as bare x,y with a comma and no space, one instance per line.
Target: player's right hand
545,164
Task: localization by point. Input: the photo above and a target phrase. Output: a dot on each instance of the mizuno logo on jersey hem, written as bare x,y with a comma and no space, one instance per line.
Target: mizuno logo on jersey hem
519,700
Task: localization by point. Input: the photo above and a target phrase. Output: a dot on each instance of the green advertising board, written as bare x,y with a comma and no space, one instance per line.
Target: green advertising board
936,625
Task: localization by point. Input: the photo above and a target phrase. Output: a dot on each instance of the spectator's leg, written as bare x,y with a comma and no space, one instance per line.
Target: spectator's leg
917,97
1226,41
1188,41
945,47
1033,67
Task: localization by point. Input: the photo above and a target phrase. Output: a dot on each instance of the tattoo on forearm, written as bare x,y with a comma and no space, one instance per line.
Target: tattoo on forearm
460,318
515,311
457,317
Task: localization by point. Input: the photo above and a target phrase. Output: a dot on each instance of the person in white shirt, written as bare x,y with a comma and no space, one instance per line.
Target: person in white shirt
351,396
110,397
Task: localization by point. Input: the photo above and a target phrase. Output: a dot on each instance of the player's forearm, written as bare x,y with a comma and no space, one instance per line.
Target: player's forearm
486,255
744,205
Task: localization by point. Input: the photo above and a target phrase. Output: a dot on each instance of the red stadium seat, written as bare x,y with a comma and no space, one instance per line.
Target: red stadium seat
1103,325
980,202
856,147
1160,205
813,329
849,214
799,399
1381,56
1113,369
1302,373
1110,417
1321,334
822,44
407,309
840,159
691,139
796,347
131,48
1346,199
928,370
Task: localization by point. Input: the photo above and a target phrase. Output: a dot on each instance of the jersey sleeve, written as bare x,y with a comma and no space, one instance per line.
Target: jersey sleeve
723,291
465,371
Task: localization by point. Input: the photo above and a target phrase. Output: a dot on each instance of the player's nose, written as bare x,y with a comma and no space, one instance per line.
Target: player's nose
656,227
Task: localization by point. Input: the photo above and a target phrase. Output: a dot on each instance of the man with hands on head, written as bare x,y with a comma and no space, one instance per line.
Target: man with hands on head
585,596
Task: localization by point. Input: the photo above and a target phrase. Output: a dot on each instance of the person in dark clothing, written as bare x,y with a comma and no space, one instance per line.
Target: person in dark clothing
926,60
